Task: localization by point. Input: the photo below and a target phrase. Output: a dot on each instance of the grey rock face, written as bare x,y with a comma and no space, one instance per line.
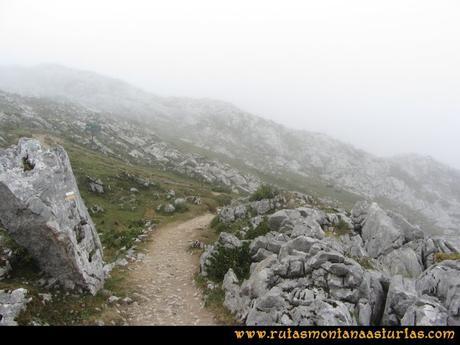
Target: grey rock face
322,313
359,214
401,295
443,282
96,185
411,232
263,206
379,234
42,211
372,274
11,305
402,261
228,240
225,240
425,311
234,302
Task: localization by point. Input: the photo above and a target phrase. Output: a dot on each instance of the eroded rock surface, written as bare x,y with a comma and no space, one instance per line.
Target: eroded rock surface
42,210
12,303
367,267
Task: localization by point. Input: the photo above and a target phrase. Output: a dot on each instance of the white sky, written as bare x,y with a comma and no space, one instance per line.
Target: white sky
382,75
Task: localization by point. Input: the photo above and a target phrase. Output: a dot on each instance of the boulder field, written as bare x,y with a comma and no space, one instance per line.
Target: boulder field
364,267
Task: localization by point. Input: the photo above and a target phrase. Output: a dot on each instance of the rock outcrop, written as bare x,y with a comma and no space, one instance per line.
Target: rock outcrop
367,267
42,211
12,303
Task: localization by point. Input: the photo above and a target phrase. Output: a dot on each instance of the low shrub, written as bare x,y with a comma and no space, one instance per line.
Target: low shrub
265,191
261,230
224,258
181,207
342,228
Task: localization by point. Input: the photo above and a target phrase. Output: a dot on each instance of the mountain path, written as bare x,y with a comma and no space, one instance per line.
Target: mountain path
166,293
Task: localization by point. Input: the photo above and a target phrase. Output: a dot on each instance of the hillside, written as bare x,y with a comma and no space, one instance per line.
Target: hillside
426,191
127,202
295,239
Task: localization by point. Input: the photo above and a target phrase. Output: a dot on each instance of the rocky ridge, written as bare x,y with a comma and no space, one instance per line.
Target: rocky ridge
424,190
128,140
332,267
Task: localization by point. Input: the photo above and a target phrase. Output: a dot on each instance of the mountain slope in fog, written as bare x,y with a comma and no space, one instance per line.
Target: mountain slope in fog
414,184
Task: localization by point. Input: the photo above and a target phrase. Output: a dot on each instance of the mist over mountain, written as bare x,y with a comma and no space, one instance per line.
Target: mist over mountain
427,191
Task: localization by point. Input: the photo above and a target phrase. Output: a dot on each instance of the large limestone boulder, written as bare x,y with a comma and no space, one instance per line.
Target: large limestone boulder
401,295
402,261
42,210
426,311
443,282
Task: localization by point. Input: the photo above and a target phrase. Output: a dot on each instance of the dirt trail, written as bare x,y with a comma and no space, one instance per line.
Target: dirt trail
164,280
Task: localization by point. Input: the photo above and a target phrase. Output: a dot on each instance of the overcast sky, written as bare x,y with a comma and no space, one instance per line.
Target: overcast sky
382,75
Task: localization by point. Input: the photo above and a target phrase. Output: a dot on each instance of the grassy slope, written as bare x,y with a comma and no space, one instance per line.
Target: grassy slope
312,185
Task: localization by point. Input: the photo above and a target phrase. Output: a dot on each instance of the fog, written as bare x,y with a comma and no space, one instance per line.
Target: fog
382,75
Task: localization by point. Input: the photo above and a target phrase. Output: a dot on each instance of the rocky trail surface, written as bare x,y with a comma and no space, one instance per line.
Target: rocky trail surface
164,280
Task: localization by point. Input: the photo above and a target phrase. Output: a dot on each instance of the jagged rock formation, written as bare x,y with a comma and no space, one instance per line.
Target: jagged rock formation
42,211
367,267
12,303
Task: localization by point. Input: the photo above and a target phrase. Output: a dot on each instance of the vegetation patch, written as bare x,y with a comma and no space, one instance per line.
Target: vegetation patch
232,228
224,258
264,191
439,257
221,189
223,199
261,230
342,228
181,207
214,297
365,262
